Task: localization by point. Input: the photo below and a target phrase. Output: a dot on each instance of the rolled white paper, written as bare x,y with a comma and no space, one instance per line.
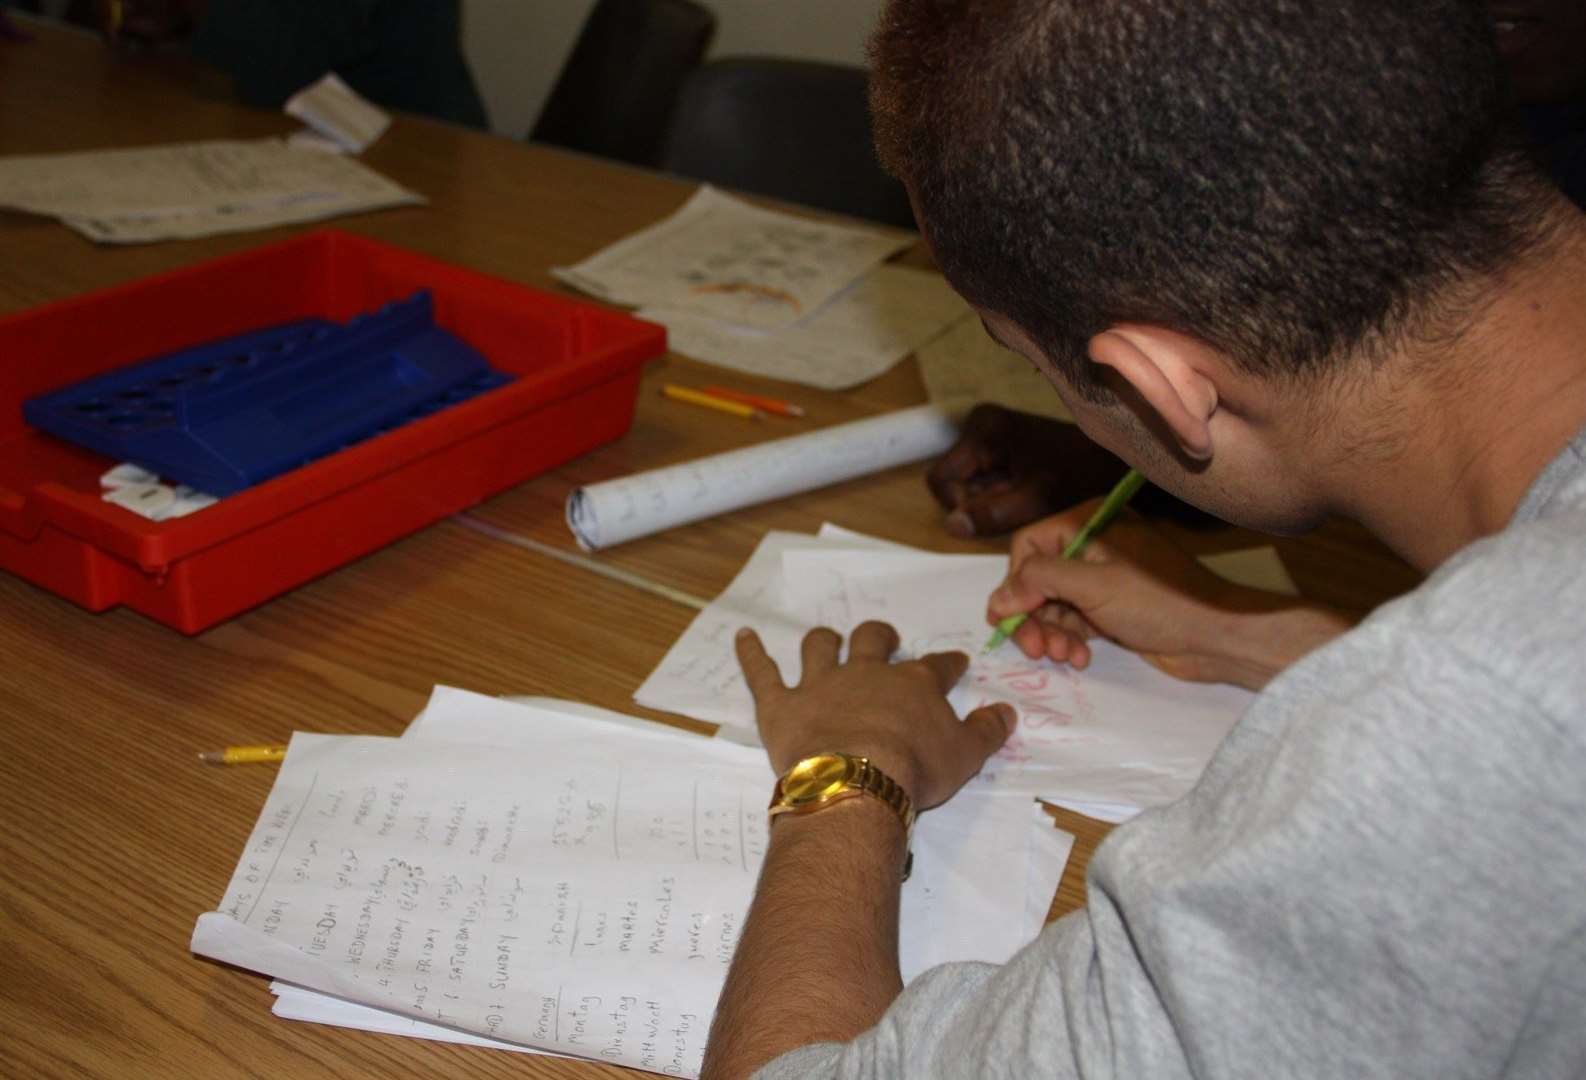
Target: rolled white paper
616,511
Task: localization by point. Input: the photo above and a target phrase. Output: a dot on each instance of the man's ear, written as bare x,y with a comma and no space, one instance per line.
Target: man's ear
1169,372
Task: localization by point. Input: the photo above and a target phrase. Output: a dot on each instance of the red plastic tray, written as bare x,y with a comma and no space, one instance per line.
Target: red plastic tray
578,370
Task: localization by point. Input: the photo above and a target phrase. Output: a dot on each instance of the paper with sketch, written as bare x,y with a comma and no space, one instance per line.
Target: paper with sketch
964,363
579,887
616,511
192,189
1119,732
721,257
876,322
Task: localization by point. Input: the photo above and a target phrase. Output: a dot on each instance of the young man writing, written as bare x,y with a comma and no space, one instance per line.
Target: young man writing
1010,468
1281,257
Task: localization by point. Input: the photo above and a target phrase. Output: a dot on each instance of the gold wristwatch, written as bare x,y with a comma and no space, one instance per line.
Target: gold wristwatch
822,780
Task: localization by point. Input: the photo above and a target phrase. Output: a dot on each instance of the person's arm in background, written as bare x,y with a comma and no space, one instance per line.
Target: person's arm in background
1009,469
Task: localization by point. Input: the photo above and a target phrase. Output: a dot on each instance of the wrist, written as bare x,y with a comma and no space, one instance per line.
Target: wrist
894,760
829,782
1263,633
861,832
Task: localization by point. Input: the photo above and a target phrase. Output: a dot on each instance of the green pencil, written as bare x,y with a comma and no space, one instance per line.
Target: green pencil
1122,492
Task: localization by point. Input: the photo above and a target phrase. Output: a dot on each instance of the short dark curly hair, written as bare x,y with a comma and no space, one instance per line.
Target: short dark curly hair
1292,181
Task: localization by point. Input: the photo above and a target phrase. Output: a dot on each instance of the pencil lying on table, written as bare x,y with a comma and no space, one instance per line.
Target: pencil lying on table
1121,493
764,404
710,401
243,755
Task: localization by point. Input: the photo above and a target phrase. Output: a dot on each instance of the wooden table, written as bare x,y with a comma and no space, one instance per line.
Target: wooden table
113,838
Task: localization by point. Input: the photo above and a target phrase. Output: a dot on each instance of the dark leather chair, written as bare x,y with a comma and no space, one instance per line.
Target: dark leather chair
615,93
792,129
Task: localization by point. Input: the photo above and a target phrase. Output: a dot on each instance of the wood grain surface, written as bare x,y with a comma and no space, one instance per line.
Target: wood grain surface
113,838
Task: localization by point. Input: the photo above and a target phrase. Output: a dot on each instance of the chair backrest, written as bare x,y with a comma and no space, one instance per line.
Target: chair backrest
793,129
616,91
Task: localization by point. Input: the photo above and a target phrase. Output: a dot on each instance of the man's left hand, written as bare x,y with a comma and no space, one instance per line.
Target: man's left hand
897,715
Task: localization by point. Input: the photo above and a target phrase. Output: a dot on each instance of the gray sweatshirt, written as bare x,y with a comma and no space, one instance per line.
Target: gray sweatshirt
1382,872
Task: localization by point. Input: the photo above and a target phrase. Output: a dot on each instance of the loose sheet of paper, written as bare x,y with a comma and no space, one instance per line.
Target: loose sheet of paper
964,363
189,190
723,258
545,878
1119,733
616,511
876,322
339,113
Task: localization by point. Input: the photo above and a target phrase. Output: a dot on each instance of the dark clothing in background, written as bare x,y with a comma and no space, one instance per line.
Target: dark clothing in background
1558,130
400,54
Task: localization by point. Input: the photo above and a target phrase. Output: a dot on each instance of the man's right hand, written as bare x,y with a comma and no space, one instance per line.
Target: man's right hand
1135,587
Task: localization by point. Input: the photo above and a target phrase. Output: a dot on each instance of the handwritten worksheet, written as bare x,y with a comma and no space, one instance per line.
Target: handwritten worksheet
1052,846
876,322
1112,739
724,258
547,879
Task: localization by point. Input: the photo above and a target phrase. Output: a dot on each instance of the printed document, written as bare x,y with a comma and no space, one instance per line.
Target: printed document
189,190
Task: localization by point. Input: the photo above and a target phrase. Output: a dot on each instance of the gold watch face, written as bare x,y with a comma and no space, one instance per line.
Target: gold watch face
818,777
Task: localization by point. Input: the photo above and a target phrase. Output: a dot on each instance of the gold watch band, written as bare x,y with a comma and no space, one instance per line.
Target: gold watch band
877,783
821,780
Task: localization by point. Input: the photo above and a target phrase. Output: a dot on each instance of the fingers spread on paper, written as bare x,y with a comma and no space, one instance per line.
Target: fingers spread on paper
897,714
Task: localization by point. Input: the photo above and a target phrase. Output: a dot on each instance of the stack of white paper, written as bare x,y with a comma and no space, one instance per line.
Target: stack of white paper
1110,740
774,294
535,876
192,189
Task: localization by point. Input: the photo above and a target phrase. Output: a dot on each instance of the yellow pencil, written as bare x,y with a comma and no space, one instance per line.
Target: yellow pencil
243,755
695,397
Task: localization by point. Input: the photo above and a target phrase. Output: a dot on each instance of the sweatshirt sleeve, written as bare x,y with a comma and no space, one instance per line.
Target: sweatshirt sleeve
973,1019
